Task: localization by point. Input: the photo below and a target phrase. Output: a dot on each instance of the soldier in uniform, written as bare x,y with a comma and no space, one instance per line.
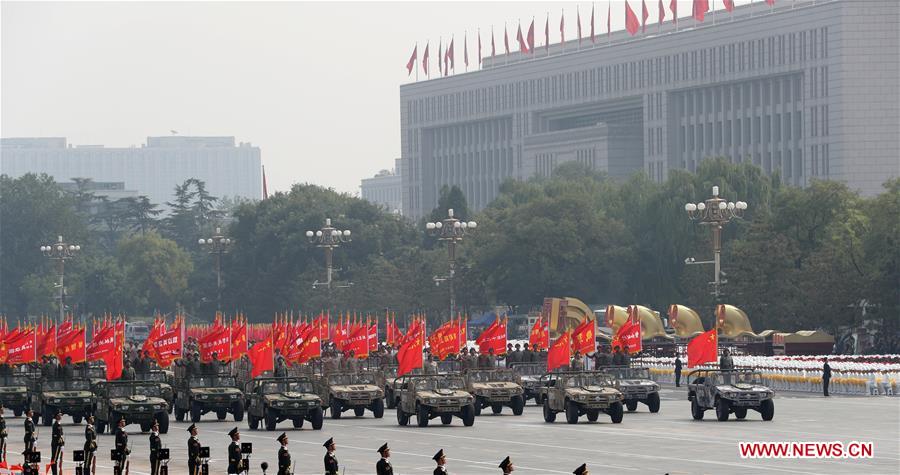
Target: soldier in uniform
383,467
234,453
441,461
121,447
582,470
57,441
28,468
331,462
507,466
3,435
155,446
30,438
527,354
280,366
284,457
677,371
727,364
127,372
194,366
90,444
577,363
69,369
193,451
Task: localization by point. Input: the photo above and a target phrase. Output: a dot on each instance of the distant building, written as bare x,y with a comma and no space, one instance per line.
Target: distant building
104,192
152,170
384,190
807,89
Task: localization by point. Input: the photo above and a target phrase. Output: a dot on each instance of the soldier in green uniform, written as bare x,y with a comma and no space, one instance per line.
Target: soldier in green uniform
383,467
507,466
331,462
155,446
441,461
582,470
127,372
193,451
90,445
234,453
284,457
57,441
30,438
121,447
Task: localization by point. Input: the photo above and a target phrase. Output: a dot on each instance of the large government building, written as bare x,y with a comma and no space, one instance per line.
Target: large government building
808,89
151,170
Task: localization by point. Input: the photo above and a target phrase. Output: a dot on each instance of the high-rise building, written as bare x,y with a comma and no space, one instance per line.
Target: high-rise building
152,170
384,190
806,89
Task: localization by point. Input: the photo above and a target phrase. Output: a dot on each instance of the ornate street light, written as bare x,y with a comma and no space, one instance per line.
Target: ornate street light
715,212
451,231
329,238
60,251
217,245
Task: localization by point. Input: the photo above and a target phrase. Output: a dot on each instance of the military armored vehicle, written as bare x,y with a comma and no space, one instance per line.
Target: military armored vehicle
343,391
635,384
165,380
139,402
495,388
431,396
273,400
579,393
198,394
729,391
14,392
71,397
530,379
391,394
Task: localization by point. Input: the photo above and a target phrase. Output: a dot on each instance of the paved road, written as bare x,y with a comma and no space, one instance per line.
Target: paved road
667,442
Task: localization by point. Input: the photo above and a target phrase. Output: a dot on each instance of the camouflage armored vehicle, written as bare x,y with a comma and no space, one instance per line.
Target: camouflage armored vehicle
165,380
14,392
199,394
71,397
343,391
431,396
273,400
391,393
139,402
729,391
635,384
495,388
530,379
579,393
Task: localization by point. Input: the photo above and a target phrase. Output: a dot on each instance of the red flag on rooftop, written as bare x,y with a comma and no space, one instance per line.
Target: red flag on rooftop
771,2
592,23
662,12
265,185
673,5
608,18
452,55
425,60
523,46
645,14
530,37
466,50
412,60
631,20
505,39
493,45
578,23
729,5
547,33
479,46
700,8
441,56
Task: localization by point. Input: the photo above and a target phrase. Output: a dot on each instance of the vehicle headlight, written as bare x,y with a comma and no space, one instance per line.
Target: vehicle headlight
432,400
312,403
480,392
202,396
157,406
279,403
87,399
119,408
654,387
234,396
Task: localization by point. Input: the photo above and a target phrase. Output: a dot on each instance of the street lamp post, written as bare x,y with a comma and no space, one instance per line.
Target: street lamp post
451,231
715,212
329,238
60,251
217,245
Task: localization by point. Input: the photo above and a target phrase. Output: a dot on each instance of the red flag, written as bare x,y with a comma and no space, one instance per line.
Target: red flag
463,333
409,356
592,26
703,348
261,357
21,348
441,56
506,38
673,5
358,342
479,46
530,37
700,9
493,337
425,60
159,326
608,19
239,343
218,341
46,341
562,27
452,56
311,346
662,12
771,3
168,345
105,347
645,14
373,336
466,50
631,20
584,338
534,338
629,335
71,345
547,33
578,23
493,46
412,60
523,46
729,5
560,352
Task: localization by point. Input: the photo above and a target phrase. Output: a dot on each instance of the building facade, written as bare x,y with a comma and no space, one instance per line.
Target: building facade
810,90
153,170
384,189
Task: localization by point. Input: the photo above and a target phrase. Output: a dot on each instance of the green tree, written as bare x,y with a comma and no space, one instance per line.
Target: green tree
156,271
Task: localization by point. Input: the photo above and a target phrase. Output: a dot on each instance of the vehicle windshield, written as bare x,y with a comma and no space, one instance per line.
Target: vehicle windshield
158,377
14,380
448,366
62,385
431,384
96,373
212,381
492,376
581,380
629,373
273,387
737,377
530,369
351,378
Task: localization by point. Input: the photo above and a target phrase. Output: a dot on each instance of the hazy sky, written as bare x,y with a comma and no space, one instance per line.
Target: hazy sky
315,85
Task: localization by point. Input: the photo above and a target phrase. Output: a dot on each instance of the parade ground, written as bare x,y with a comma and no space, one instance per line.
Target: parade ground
644,443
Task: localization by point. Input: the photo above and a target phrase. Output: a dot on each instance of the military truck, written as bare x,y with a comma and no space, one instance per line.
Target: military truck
391,393
579,393
273,400
635,384
431,396
342,391
165,380
530,379
495,388
139,402
198,394
71,397
14,392
729,391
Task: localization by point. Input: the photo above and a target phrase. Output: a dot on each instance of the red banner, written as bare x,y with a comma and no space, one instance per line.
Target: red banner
46,340
373,337
159,327
311,345
540,334
584,338
218,341
21,348
358,342
238,338
493,337
444,340
71,345
168,345
629,336
106,347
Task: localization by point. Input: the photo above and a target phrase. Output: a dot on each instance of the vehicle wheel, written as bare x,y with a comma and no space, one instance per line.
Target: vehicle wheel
389,399
468,415
496,408
378,408
145,426
767,409
549,416
696,410
221,414
631,404
446,418
298,422
237,409
653,402
179,414
740,412
722,409
593,415
422,415
77,419
271,421
477,406
252,422
518,405
359,411
17,412
334,407
317,417
615,412
402,417
571,412
196,412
